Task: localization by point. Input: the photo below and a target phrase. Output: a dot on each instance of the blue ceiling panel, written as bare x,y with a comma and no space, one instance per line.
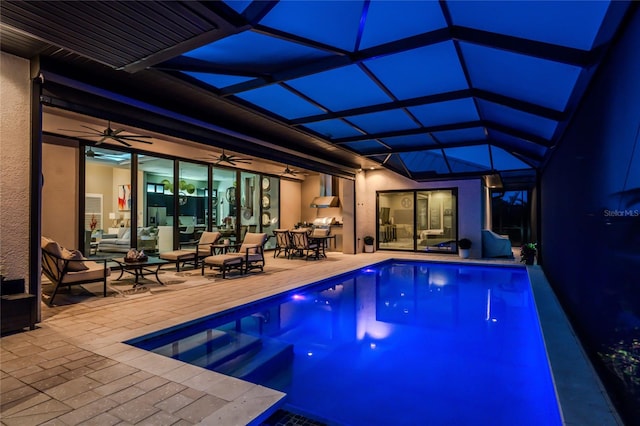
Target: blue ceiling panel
238,5
419,72
341,88
502,160
400,81
333,129
566,23
378,122
218,80
409,141
366,147
469,158
268,54
425,161
460,110
462,135
388,21
518,120
526,78
534,151
335,23
280,101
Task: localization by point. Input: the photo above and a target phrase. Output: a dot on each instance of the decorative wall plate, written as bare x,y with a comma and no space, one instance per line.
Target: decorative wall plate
266,219
230,194
266,201
266,183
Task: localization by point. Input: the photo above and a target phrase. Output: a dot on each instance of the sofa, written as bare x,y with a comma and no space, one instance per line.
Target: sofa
121,242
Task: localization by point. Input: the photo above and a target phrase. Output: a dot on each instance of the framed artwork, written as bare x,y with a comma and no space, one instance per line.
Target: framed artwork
124,197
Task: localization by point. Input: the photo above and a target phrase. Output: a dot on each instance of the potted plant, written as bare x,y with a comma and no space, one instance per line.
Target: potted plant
368,244
528,253
463,247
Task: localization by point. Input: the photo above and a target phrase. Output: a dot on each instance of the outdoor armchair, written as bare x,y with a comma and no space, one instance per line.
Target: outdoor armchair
249,256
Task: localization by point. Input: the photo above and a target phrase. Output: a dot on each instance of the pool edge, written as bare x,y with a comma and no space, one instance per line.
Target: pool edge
582,397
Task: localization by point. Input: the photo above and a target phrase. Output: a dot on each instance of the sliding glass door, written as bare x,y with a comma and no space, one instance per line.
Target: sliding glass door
418,220
396,220
107,202
436,217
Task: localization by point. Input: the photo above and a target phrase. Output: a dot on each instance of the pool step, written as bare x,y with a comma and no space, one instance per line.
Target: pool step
194,346
237,345
259,362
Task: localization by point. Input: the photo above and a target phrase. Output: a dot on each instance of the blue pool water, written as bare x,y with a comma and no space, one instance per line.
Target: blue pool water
399,343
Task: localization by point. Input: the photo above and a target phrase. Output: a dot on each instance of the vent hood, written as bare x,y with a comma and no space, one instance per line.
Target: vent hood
326,201
328,195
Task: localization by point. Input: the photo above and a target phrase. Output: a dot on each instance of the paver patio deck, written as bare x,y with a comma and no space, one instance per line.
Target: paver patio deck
73,369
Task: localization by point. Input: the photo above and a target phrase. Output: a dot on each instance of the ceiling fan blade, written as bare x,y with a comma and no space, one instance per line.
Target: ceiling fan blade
125,143
91,128
122,139
77,131
134,136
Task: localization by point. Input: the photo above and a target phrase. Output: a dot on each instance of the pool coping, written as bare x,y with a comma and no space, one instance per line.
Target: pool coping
581,395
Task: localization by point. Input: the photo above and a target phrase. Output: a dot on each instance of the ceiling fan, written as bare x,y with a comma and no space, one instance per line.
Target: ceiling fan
110,133
291,172
92,154
229,159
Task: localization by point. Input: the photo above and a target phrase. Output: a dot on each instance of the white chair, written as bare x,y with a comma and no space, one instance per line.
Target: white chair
495,245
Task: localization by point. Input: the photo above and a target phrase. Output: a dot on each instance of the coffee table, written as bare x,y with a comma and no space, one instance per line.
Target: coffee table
140,269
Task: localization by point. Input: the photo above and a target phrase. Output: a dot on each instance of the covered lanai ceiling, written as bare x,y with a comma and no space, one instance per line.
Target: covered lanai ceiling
428,89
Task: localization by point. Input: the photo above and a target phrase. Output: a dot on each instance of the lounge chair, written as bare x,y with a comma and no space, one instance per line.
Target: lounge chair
201,250
70,267
249,256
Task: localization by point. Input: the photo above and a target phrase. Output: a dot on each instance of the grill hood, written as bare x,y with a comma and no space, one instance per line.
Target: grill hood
325,201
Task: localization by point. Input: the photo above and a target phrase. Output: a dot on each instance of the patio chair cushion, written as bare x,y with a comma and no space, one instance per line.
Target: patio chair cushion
177,255
224,259
93,271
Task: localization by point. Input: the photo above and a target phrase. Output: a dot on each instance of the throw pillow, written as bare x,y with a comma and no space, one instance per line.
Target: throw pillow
74,255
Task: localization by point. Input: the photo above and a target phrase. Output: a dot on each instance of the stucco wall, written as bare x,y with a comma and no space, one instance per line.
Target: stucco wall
15,131
60,194
290,203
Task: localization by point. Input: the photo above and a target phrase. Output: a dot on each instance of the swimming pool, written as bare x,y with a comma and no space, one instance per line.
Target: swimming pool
397,343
